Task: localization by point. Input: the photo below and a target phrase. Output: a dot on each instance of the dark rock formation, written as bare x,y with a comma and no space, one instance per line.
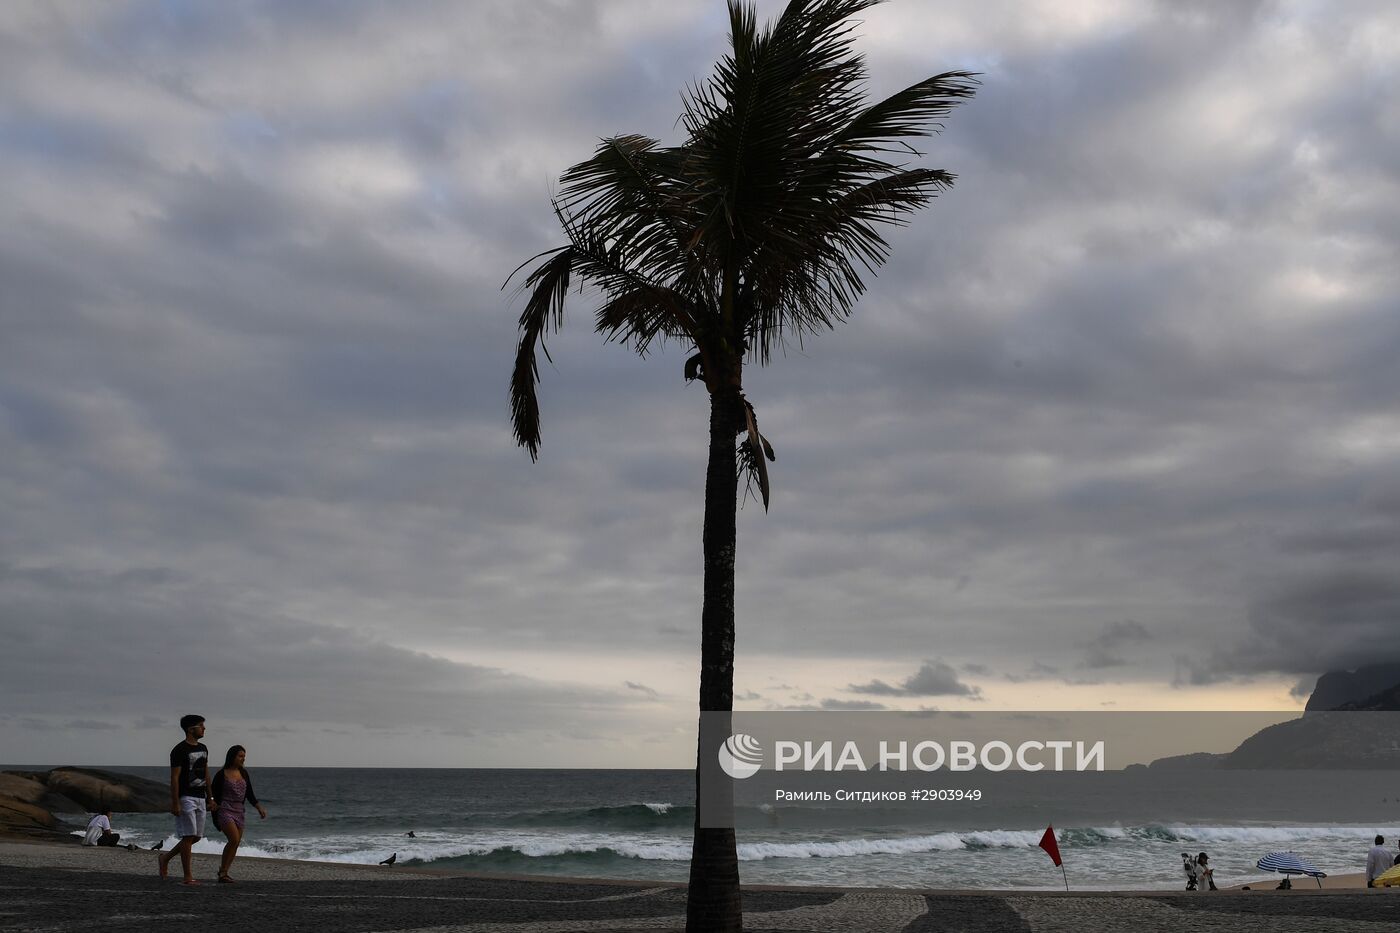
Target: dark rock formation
1387,701
24,807
18,818
1324,740
1196,761
1351,722
33,791
94,789
29,799
1337,688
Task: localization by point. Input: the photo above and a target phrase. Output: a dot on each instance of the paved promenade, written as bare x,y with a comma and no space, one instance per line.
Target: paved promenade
50,889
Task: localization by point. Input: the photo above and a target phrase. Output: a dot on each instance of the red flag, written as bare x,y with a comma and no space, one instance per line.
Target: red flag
1051,847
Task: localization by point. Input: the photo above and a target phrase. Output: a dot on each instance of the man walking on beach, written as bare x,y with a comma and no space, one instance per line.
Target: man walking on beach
1377,861
190,798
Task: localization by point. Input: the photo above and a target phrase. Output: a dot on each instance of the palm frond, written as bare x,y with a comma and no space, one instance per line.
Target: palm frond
888,200
813,285
619,267
645,314
630,187
756,451
913,111
548,284
771,103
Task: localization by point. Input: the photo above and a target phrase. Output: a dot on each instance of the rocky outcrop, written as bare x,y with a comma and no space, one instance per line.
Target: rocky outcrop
1338,688
1196,761
18,818
33,791
1352,720
25,806
29,799
94,789
1387,701
1326,740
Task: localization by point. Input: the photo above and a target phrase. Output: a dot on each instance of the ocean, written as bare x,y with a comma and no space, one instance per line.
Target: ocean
1116,829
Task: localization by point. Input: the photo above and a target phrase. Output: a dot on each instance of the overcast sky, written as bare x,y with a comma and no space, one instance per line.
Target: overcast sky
1117,424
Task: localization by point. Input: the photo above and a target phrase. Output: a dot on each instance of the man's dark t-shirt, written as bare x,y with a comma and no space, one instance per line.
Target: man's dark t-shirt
191,760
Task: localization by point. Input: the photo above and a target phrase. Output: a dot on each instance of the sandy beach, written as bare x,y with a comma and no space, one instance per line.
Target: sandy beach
1355,882
59,887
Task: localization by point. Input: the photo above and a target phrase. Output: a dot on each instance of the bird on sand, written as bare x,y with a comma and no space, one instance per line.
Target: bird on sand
158,846
391,859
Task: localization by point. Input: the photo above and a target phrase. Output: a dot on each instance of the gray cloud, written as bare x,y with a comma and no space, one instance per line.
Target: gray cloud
933,678
850,705
159,635
1036,671
95,725
1127,632
1099,657
1104,650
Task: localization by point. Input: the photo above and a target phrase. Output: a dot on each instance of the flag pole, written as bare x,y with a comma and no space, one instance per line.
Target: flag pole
1052,849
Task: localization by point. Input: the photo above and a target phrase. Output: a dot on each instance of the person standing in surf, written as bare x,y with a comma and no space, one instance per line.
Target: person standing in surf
232,786
189,794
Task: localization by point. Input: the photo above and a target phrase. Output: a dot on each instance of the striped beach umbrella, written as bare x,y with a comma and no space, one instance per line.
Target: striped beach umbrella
1388,878
1289,863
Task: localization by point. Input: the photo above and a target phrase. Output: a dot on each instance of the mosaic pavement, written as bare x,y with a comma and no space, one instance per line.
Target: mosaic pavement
115,894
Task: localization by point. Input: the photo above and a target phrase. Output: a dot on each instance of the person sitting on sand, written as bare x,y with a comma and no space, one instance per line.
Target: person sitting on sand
1377,861
99,830
232,786
1205,873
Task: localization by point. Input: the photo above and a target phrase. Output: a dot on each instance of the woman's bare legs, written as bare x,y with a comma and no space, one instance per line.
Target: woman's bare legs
235,836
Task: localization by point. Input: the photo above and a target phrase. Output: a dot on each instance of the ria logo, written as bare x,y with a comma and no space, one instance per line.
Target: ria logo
740,756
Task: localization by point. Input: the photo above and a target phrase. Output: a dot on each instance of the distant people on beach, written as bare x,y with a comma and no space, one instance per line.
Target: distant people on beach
99,830
232,786
1377,861
190,797
1205,875
1188,864
1199,875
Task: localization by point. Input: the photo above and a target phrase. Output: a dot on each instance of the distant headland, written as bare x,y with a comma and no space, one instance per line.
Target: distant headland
1324,737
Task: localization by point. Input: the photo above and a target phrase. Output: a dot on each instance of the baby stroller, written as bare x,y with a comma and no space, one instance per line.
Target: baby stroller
1188,863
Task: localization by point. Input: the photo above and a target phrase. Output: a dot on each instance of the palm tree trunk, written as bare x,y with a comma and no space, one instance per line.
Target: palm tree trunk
713,904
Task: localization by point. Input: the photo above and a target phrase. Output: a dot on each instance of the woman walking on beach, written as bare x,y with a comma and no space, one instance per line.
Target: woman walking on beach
232,786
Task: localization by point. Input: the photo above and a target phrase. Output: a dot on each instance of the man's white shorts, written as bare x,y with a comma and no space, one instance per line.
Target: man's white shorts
190,822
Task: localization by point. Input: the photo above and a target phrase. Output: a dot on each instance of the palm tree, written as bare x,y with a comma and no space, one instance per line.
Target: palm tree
751,233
